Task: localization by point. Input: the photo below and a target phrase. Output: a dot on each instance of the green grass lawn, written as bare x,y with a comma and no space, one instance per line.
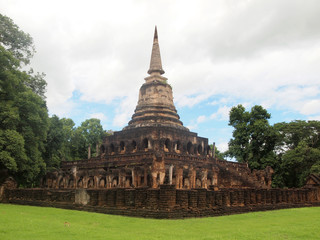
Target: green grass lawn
26,222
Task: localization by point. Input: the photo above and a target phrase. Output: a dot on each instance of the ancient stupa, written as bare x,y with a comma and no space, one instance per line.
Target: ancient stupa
155,148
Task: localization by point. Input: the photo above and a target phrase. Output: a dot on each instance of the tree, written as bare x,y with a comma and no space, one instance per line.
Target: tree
12,150
298,152
68,130
54,143
253,138
23,115
89,133
218,154
15,41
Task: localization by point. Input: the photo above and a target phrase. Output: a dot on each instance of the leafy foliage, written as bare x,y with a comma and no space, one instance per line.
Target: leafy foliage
23,115
89,133
253,138
298,152
15,41
65,142
292,149
218,154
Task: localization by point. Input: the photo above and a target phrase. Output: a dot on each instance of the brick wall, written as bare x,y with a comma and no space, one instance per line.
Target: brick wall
166,202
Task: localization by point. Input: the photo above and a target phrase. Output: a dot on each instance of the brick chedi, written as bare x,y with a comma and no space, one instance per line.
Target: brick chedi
155,167
155,106
155,148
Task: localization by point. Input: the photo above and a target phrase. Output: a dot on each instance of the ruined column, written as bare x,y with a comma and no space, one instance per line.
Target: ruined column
179,177
133,178
120,179
89,151
170,174
214,150
145,176
162,176
192,177
97,150
215,176
154,179
204,178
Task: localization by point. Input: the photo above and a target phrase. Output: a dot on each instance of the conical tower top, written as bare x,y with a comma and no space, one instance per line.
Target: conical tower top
155,106
155,62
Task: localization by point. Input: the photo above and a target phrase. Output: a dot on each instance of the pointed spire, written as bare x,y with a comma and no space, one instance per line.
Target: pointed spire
155,63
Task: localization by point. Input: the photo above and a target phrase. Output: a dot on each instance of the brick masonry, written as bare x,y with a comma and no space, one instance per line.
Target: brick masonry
167,201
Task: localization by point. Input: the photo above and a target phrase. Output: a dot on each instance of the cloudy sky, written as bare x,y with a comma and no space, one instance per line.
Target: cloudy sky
216,54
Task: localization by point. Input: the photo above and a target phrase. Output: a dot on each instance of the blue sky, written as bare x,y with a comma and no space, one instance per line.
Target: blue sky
216,54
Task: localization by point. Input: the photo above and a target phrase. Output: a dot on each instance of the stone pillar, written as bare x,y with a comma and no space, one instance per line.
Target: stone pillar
96,181
214,150
179,177
215,176
204,176
133,178
192,177
97,149
109,181
89,151
170,174
138,178
121,181
162,175
145,176
85,182
154,175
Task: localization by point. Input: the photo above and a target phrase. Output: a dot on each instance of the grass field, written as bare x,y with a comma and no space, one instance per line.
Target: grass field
26,222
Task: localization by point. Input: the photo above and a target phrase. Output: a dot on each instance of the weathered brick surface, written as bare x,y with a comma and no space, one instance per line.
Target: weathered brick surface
167,198
182,198
192,199
168,202
152,199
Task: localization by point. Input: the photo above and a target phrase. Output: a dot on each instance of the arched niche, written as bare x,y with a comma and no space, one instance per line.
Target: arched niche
189,148
112,148
167,144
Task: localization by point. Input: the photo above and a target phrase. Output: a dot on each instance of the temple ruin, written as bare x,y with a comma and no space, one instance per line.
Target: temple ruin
155,148
156,167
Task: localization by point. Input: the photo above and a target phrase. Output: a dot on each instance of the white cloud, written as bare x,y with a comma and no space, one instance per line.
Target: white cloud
221,114
100,116
249,52
201,119
124,111
222,146
60,107
316,118
311,107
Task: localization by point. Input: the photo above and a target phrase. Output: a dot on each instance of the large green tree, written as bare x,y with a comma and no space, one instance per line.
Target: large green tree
89,133
63,142
253,138
298,152
23,111
291,149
